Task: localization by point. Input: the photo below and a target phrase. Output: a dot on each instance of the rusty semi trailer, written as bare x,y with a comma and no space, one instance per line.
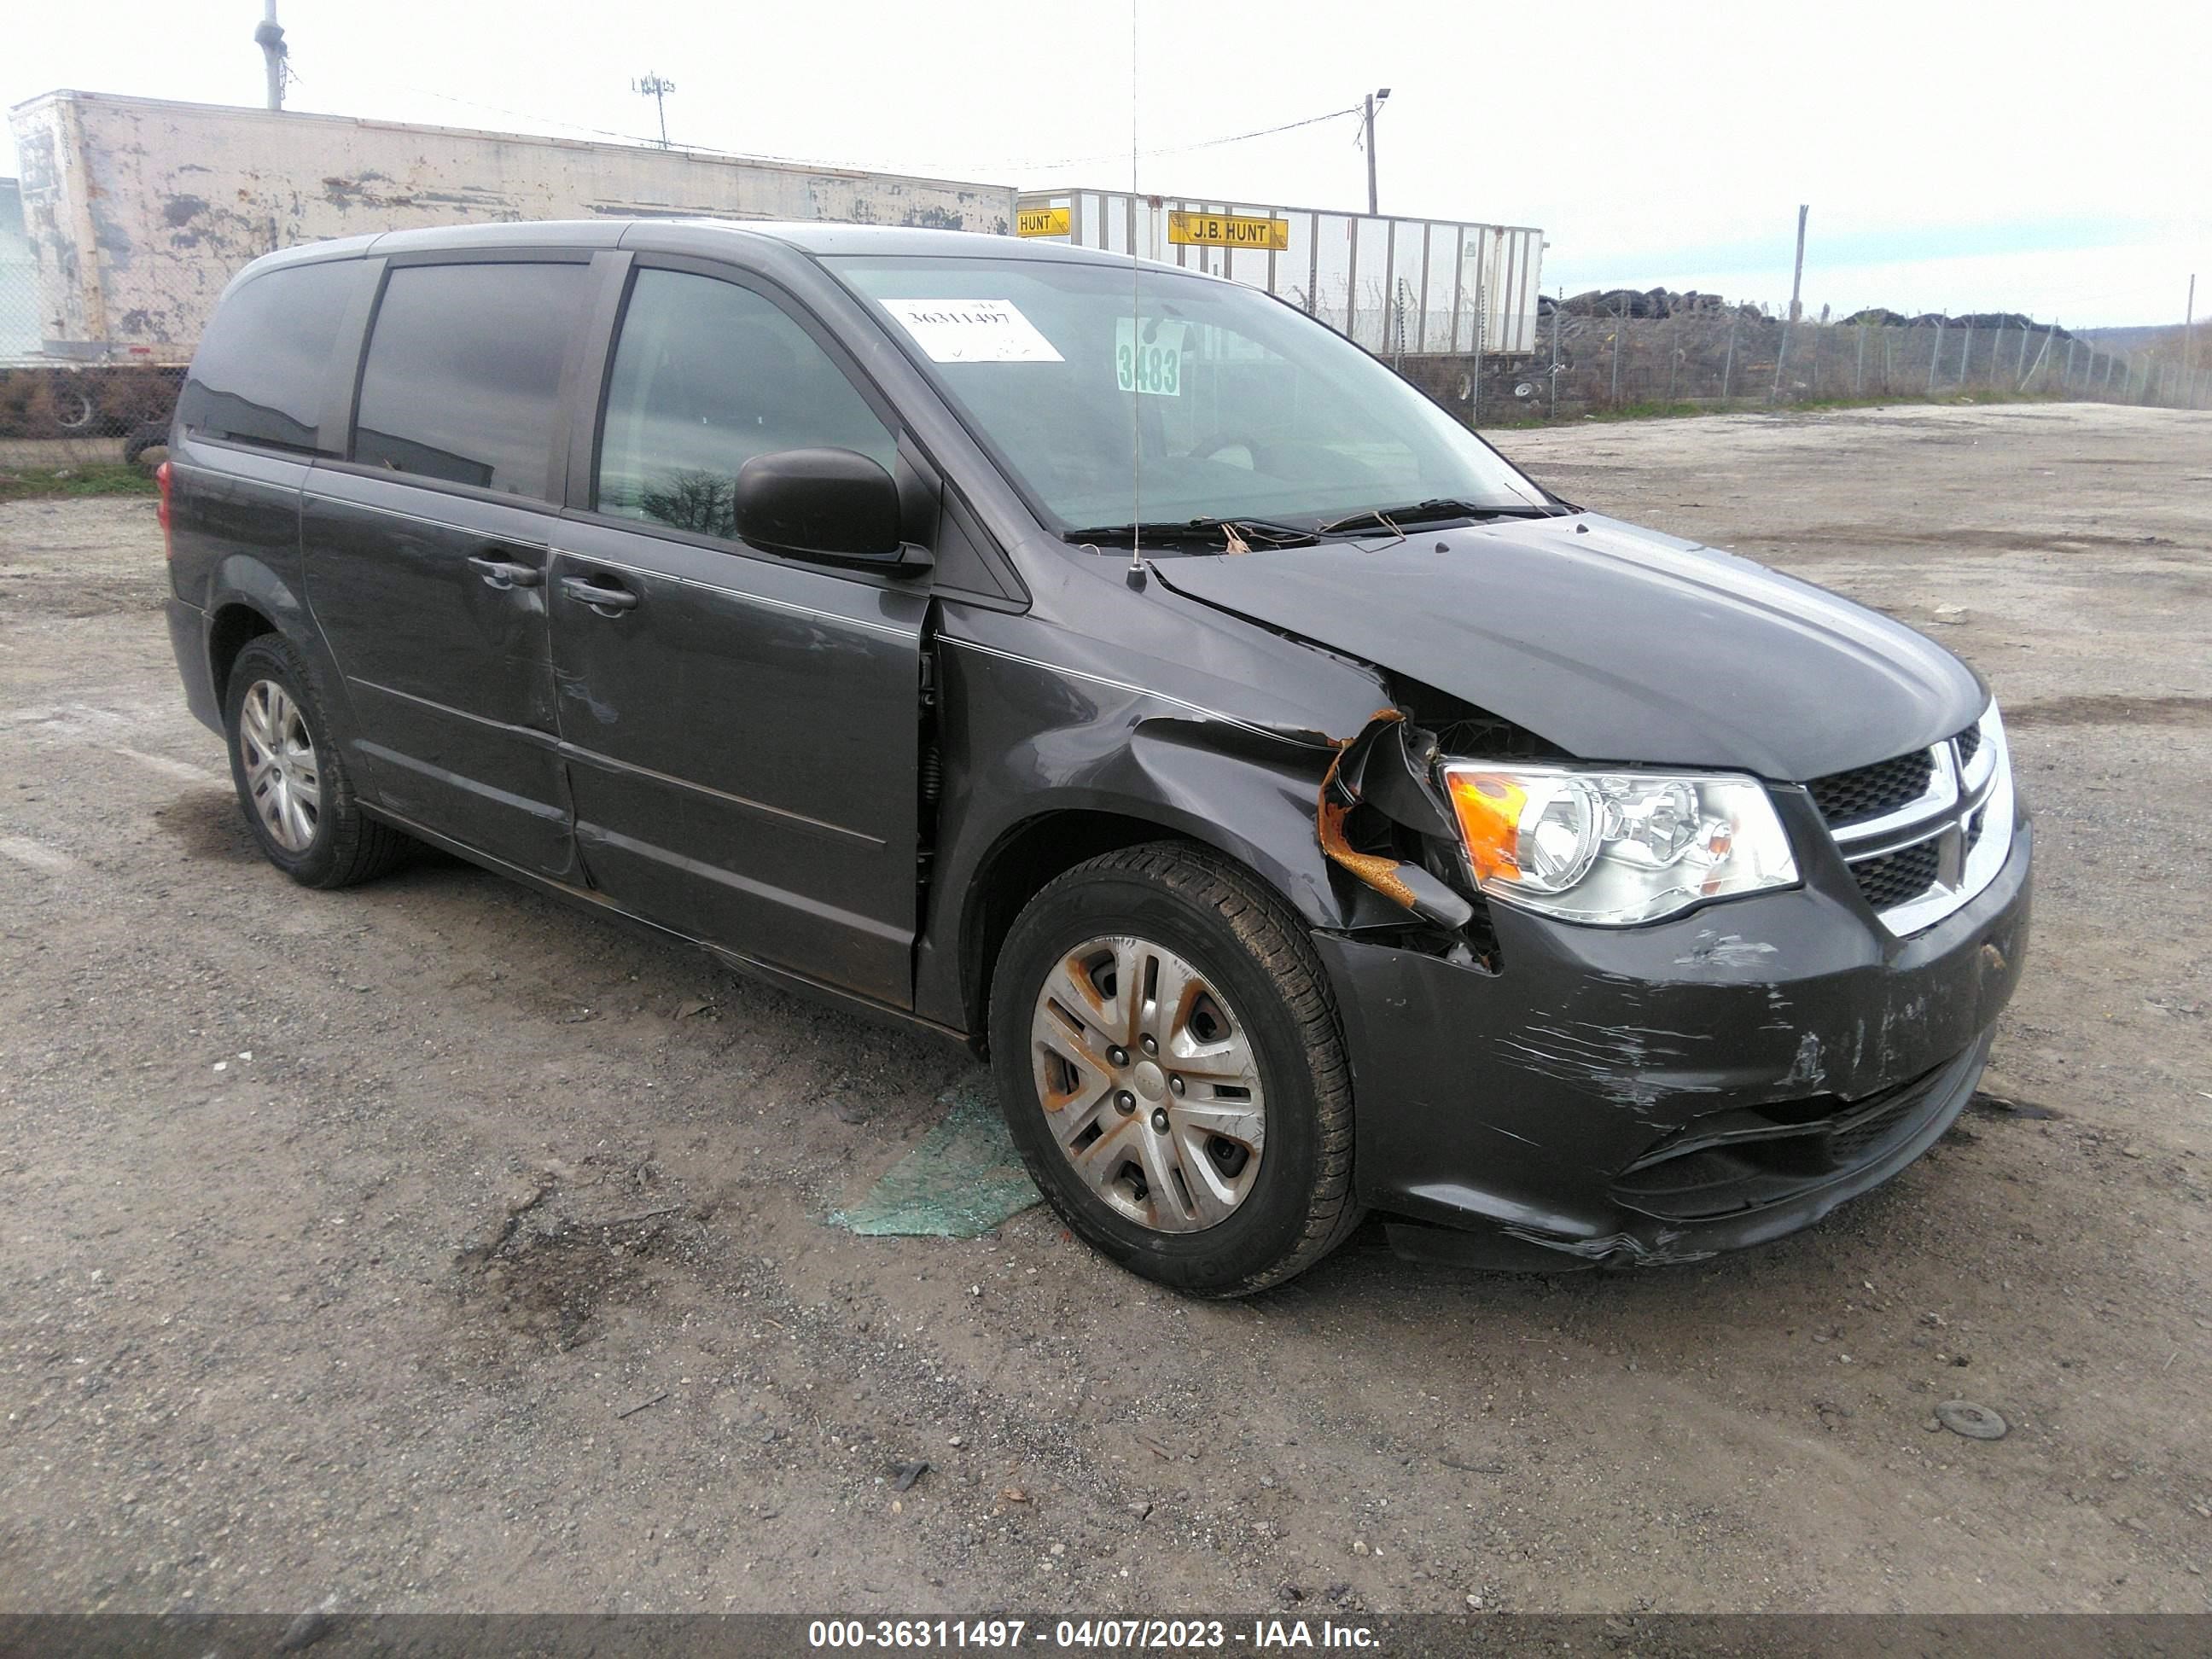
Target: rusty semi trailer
1401,287
138,210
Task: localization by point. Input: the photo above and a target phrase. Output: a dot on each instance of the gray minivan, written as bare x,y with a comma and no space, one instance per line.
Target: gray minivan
1113,668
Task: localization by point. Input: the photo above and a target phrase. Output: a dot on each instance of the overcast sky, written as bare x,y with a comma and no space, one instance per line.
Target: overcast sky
2054,160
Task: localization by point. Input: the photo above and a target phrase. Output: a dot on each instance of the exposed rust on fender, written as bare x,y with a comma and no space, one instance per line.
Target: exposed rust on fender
1377,872
1398,785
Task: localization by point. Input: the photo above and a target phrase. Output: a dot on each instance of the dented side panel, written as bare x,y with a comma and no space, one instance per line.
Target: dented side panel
1042,721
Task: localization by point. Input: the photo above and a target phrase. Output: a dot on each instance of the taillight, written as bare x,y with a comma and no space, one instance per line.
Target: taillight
168,542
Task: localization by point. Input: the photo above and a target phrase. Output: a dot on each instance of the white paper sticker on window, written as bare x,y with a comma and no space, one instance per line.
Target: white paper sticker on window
972,331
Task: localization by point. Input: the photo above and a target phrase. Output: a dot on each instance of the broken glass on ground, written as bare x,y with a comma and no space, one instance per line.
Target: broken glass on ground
962,1181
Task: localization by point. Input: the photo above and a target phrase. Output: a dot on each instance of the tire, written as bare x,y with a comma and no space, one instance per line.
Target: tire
327,841
147,436
1206,1214
76,409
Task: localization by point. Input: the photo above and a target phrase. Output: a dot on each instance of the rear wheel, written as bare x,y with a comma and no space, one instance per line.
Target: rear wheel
75,408
148,435
1168,1057
292,784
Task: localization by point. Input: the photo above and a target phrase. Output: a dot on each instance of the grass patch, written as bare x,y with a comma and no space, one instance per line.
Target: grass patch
30,483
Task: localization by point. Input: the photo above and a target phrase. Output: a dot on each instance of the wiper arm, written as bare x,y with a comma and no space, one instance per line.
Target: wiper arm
1440,506
1168,530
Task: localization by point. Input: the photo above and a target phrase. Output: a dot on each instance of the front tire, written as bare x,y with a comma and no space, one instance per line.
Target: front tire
1167,1053
292,783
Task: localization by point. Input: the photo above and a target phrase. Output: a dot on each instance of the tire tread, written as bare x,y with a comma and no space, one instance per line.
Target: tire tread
1273,932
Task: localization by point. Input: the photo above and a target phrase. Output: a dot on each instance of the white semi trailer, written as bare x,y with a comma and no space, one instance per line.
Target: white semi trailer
1400,287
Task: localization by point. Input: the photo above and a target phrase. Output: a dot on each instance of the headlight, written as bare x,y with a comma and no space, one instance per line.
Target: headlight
1615,848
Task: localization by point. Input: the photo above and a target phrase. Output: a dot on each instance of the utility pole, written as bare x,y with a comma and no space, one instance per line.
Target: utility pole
2189,331
1374,100
1797,276
269,35
652,86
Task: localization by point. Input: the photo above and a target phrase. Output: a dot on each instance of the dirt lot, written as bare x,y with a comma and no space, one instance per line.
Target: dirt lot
428,1245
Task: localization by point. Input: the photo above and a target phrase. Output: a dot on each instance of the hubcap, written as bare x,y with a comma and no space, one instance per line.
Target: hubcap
284,785
1150,1083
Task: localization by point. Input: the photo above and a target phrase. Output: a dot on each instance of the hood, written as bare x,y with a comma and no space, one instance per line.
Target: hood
1613,643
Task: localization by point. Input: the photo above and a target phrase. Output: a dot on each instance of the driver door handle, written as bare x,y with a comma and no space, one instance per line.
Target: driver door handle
604,597
503,573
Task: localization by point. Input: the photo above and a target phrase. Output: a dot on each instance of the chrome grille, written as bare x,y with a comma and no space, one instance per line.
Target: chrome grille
1923,833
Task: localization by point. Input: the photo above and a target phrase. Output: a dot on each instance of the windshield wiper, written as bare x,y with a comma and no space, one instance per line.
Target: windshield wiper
1170,531
1428,511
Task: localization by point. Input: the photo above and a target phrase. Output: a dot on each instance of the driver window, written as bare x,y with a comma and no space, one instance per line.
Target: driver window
707,375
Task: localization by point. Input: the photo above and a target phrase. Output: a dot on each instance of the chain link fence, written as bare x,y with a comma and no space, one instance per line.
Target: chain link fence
64,415
1591,361
19,294
50,413
1585,361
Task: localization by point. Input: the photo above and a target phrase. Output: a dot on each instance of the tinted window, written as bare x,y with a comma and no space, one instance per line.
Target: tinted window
707,376
463,380
262,368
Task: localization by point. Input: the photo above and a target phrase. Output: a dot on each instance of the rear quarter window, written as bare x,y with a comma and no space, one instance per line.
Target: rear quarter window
463,380
264,365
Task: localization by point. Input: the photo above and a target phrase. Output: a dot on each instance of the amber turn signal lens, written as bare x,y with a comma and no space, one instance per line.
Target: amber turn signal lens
1489,808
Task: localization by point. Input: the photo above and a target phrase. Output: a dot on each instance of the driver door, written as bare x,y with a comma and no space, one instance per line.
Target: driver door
742,730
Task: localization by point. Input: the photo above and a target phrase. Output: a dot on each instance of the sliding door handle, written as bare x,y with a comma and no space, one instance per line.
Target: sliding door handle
504,573
603,594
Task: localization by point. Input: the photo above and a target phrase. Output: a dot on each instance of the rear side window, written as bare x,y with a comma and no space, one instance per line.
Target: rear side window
263,367
707,376
463,380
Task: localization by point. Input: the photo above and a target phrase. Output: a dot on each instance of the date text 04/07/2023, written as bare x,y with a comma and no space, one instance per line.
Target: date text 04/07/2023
1087,1634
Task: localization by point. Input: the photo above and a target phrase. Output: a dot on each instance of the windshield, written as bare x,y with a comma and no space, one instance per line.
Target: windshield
1208,400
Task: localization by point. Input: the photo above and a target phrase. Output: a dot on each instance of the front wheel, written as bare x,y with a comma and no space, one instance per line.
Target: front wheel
1167,1053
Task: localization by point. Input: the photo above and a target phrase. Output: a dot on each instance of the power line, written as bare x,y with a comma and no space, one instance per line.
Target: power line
646,140
1010,163
1178,149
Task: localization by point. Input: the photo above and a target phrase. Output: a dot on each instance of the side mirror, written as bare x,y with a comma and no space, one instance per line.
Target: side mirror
826,503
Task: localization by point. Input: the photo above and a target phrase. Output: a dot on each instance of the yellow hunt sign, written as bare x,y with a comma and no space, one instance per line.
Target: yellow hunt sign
1225,230
1041,222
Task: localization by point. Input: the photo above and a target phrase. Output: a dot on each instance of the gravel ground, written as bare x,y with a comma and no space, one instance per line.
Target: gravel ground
428,1245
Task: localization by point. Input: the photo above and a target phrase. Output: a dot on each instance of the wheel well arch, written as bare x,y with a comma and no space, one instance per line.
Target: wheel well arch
1033,852
1018,867
228,632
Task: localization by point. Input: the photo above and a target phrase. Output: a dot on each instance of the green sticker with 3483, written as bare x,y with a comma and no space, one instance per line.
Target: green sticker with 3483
1148,357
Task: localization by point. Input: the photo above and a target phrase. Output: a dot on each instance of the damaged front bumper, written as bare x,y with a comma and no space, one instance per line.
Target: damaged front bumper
1660,1093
